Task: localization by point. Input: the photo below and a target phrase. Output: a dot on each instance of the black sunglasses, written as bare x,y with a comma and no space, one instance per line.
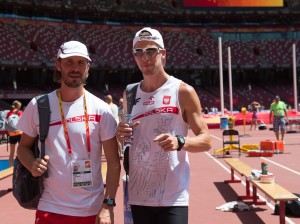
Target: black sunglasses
139,52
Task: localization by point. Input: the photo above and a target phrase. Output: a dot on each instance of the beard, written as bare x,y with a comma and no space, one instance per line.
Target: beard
74,82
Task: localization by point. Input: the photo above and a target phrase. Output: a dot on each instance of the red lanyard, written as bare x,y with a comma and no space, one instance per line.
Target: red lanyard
64,123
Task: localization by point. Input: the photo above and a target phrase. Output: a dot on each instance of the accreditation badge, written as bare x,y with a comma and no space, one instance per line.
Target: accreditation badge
82,173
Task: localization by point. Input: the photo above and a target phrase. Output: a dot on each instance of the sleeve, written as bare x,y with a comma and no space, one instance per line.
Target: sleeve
28,122
20,113
116,112
108,125
8,114
284,106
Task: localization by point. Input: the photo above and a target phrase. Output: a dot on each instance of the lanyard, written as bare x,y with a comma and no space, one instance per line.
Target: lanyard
64,123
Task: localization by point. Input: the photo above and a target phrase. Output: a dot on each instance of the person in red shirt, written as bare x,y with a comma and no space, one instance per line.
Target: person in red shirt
14,137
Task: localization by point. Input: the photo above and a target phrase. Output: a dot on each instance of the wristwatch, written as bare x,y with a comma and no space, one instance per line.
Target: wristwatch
110,201
181,142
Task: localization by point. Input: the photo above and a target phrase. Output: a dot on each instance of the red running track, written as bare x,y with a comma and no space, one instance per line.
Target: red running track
207,190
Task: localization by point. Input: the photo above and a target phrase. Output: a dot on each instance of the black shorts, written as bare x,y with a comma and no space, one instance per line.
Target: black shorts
159,215
14,139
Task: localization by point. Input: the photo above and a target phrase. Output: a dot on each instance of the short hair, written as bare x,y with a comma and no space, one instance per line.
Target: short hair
108,98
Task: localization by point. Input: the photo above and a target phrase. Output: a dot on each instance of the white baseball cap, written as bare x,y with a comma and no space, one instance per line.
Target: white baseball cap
155,37
73,48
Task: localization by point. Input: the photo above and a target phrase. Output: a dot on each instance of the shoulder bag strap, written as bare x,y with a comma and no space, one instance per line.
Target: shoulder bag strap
44,120
130,96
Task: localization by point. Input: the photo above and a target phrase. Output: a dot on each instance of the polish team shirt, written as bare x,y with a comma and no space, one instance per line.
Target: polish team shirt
156,177
59,195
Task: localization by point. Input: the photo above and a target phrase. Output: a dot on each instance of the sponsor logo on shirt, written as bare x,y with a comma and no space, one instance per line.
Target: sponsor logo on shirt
161,110
136,100
91,118
150,101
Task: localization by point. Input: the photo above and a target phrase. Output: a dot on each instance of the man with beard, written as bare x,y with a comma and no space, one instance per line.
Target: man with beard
81,125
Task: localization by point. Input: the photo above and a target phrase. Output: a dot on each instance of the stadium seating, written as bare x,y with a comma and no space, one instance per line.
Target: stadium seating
111,45
13,49
47,36
275,52
34,43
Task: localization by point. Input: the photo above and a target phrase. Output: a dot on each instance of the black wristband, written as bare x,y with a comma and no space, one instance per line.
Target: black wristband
110,201
181,142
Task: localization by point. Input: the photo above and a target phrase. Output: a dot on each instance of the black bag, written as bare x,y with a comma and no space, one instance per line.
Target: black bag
126,161
26,188
292,208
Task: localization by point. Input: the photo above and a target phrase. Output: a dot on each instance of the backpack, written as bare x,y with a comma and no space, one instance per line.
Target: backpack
28,189
292,208
2,121
262,126
11,125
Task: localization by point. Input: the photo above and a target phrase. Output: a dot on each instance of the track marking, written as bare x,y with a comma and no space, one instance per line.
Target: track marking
288,220
216,137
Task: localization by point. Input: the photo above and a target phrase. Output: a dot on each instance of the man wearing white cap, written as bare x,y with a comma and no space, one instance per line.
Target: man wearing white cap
164,108
80,125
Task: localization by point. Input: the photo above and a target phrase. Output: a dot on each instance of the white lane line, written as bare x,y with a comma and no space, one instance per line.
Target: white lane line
216,137
287,219
284,167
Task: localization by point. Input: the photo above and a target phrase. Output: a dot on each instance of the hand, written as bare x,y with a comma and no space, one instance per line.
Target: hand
167,142
39,166
286,121
124,130
106,215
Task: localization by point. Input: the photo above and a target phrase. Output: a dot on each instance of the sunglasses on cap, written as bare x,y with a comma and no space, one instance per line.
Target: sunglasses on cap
139,52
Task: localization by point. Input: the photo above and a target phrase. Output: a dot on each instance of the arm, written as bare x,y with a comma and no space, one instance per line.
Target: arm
270,115
110,148
192,114
285,111
36,166
124,102
286,115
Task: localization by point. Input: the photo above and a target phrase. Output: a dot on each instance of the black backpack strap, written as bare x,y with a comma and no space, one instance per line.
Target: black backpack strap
44,120
130,95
